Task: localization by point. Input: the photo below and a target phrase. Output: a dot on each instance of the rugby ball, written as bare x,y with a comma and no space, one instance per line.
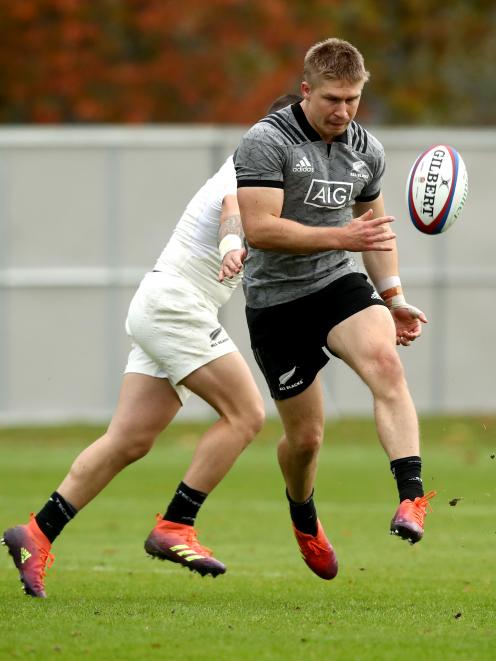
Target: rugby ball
436,189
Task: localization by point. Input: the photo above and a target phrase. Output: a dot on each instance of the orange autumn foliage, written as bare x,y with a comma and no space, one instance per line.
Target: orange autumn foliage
223,61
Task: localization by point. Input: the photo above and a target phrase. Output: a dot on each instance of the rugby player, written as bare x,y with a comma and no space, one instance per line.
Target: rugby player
309,191
179,347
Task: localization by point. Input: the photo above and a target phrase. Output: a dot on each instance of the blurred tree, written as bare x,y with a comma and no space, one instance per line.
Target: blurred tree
142,61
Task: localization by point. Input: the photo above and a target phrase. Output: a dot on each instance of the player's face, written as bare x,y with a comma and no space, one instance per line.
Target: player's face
330,105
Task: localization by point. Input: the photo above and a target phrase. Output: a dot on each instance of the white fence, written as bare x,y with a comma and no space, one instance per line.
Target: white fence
85,212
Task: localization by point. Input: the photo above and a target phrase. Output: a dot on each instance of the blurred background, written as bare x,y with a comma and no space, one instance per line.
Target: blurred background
113,113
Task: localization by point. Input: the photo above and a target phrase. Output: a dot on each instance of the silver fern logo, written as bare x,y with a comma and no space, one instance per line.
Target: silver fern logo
360,170
215,334
284,378
216,337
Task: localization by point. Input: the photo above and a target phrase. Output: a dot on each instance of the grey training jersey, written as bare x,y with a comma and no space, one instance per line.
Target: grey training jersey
321,183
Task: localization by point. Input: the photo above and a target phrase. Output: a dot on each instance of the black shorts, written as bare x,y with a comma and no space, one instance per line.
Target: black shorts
289,339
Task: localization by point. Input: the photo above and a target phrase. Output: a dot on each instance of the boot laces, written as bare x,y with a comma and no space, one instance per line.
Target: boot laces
193,542
315,547
420,505
46,558
315,544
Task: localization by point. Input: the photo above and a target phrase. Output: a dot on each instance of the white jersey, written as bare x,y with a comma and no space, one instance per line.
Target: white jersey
192,250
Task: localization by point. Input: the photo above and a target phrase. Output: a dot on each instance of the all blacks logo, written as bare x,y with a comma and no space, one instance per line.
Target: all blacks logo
433,178
329,194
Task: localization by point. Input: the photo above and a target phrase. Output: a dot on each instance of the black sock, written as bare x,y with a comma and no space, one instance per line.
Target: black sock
52,518
185,504
303,515
406,472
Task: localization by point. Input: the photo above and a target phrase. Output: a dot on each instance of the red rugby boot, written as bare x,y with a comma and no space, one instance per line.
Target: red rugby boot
317,552
178,543
30,550
408,521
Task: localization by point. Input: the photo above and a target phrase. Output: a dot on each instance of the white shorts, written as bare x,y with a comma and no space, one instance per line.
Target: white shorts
175,330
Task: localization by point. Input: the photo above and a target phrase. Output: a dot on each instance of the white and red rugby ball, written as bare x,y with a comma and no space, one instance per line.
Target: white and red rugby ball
436,189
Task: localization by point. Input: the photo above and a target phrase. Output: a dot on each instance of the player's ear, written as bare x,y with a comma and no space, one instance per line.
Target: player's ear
305,90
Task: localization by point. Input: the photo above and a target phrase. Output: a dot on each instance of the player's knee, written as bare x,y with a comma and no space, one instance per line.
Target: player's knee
307,441
141,446
386,371
257,418
136,445
251,420
391,367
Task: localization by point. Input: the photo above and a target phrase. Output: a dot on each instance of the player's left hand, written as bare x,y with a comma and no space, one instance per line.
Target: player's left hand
232,264
408,320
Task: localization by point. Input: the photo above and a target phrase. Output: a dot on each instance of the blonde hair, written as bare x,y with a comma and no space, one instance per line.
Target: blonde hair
334,59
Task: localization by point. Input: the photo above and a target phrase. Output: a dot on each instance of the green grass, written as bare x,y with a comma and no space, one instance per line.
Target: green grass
435,600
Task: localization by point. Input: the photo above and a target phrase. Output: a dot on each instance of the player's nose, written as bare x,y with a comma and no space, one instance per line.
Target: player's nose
340,109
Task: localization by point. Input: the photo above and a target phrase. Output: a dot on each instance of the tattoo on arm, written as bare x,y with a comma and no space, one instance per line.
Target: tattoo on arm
231,225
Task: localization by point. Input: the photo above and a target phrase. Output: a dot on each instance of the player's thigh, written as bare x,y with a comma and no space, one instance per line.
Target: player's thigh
146,405
365,337
227,384
303,415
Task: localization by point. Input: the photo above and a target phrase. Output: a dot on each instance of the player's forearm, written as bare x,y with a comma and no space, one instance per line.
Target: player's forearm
231,225
381,265
284,235
230,235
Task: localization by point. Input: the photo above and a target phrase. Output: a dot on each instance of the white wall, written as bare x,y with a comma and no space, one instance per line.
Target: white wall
85,212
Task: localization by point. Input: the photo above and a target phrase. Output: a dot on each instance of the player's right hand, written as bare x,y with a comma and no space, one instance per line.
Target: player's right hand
368,233
232,264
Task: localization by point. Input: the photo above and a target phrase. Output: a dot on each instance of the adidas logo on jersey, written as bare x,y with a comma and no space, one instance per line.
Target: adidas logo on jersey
303,165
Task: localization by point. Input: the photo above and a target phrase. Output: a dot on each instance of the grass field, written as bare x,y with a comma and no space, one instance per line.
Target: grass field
435,600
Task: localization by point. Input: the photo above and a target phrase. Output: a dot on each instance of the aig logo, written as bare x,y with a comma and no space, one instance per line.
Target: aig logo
329,194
